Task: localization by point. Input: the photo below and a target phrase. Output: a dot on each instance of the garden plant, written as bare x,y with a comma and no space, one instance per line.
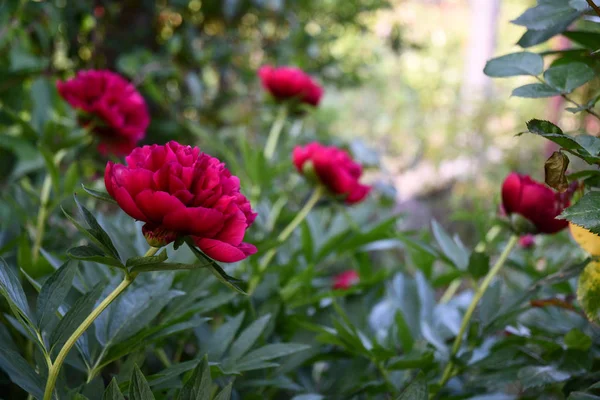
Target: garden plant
176,223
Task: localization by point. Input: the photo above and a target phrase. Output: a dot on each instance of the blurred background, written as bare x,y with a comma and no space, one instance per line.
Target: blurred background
403,82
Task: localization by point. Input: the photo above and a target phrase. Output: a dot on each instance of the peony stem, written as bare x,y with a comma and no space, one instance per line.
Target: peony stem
476,298
275,132
41,218
264,263
54,368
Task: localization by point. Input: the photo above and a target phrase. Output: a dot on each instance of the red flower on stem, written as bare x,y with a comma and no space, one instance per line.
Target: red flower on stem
345,280
333,168
179,191
111,107
285,83
534,201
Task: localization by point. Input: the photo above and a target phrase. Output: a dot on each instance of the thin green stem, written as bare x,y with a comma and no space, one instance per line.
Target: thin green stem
275,132
476,298
41,219
302,214
162,356
54,368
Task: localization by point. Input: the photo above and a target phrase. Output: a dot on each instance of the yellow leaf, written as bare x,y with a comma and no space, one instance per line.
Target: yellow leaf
586,239
588,290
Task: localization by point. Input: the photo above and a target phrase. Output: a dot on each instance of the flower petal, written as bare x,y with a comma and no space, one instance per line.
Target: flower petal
225,252
196,221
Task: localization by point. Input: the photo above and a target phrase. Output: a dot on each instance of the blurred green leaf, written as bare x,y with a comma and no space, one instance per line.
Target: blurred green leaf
533,376
416,390
247,338
104,196
577,340
458,256
566,78
523,63
479,264
535,90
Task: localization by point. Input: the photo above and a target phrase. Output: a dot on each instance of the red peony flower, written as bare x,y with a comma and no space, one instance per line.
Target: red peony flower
527,241
286,83
535,201
111,106
179,191
333,168
345,280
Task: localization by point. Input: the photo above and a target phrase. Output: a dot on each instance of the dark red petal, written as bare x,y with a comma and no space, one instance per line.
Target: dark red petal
196,221
224,252
126,203
155,205
511,192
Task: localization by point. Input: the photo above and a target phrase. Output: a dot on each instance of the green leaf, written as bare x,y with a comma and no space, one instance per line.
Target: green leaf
588,290
95,232
577,340
80,310
535,91
230,281
566,78
137,261
248,337
20,372
585,213
165,266
223,336
104,196
113,392
51,167
416,390
555,169
199,385
404,332
423,361
270,352
451,249
587,39
11,289
533,376
139,388
534,37
523,63
42,102
547,14
94,254
582,396
553,133
53,292
479,264
225,394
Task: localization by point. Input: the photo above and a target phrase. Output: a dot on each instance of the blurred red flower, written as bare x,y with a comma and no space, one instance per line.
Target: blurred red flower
286,83
527,241
345,280
111,107
534,201
179,191
332,167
